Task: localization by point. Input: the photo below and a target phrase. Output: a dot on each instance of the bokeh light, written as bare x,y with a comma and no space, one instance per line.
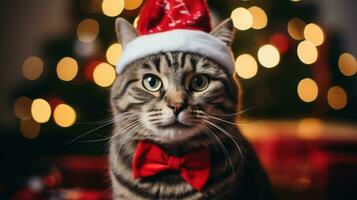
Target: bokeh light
307,52
307,90
132,4
347,64
104,75
32,68
260,19
67,69
296,28
280,41
314,34
114,53
310,128
268,56
29,128
246,66
242,19
64,115
40,110
88,30
22,107
112,8
337,97
135,23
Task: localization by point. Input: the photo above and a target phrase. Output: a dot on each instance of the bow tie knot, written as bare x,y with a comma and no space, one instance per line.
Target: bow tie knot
174,162
193,167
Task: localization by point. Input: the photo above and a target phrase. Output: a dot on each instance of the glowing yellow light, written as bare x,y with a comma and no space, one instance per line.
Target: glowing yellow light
307,52
88,30
309,128
112,8
337,97
307,90
64,115
40,110
104,75
29,128
114,53
295,0
32,68
67,69
260,19
132,4
268,56
295,28
242,19
246,66
22,107
135,23
347,64
314,34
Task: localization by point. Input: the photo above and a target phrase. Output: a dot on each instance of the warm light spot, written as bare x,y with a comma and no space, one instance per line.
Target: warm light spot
114,53
22,107
295,0
260,19
64,115
268,56
29,128
302,184
337,97
347,64
32,68
88,30
67,69
132,4
40,110
242,19
307,52
314,34
307,90
112,8
246,66
104,75
296,28
309,128
135,23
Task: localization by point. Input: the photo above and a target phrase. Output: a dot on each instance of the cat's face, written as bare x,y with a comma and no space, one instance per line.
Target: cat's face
170,97
172,93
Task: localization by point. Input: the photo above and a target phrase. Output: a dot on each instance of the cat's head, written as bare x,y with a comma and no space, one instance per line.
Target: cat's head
172,96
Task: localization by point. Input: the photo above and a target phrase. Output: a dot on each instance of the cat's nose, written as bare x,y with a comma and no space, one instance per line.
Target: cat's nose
177,107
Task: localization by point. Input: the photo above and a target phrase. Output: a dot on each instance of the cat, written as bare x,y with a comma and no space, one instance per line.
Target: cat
181,102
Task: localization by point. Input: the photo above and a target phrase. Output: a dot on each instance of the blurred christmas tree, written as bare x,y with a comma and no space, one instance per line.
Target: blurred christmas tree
287,64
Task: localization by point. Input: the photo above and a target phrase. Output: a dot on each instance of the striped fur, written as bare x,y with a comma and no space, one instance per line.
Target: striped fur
236,173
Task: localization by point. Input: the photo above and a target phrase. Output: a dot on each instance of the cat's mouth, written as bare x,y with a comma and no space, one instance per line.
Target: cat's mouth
175,125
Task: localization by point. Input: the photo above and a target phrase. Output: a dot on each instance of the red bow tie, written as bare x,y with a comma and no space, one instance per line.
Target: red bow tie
194,167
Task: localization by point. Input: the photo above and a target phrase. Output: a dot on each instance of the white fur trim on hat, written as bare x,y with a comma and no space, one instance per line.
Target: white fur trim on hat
191,41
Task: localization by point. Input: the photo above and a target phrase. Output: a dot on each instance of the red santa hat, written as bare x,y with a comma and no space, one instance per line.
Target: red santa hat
176,25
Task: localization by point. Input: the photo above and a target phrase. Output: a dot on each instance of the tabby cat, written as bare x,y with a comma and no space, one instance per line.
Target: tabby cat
181,102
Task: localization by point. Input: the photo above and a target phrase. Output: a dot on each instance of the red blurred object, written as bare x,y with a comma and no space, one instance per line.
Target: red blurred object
326,164
28,194
54,102
280,41
89,69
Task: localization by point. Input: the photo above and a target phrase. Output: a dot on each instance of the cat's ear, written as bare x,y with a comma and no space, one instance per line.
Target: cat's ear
125,31
224,31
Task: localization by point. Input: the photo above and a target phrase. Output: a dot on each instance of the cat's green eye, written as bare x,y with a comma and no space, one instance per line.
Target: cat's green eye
152,83
199,82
